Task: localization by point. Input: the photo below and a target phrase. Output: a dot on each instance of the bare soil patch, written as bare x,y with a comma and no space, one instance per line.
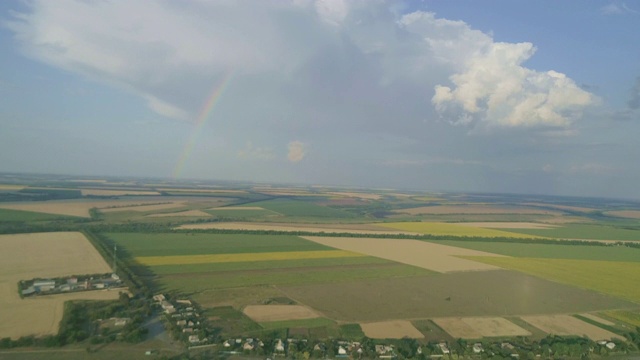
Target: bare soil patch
473,209
569,325
461,294
337,228
266,313
26,256
11,187
105,192
507,225
436,257
479,327
396,329
187,213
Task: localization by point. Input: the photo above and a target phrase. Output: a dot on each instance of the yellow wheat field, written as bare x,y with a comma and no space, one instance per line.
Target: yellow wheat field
224,258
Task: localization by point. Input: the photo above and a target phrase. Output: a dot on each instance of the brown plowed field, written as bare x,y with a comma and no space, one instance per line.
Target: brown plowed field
396,329
26,256
265,313
436,257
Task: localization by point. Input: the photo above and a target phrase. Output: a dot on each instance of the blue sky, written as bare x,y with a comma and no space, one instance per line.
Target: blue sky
498,96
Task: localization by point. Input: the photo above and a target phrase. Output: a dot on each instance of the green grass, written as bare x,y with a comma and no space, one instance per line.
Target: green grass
7,215
231,321
297,208
629,317
169,244
351,331
303,323
208,281
551,251
618,279
263,265
584,231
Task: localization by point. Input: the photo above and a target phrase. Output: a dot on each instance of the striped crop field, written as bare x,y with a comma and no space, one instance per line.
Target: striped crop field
440,228
243,257
616,278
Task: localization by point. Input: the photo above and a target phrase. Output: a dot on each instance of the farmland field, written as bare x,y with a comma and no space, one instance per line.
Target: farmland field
569,325
629,317
479,327
243,257
422,254
436,228
264,313
26,256
330,228
585,231
192,213
296,208
107,192
551,251
19,215
486,293
474,209
609,277
174,244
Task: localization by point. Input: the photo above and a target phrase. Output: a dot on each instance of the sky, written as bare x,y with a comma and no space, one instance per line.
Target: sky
535,97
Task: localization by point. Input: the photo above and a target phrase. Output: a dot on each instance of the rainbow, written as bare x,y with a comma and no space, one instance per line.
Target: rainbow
202,118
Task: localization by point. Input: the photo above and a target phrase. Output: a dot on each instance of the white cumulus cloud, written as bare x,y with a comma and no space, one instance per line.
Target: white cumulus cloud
297,151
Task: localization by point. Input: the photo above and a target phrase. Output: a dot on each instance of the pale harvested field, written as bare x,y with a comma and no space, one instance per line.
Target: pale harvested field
26,256
145,208
105,192
631,214
71,208
353,229
598,319
359,195
396,329
568,325
473,209
266,313
479,327
182,213
11,187
507,225
436,257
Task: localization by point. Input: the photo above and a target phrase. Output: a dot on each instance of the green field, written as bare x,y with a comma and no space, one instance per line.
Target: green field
629,317
551,251
614,278
298,208
192,282
264,265
7,215
242,214
585,231
171,244
437,228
